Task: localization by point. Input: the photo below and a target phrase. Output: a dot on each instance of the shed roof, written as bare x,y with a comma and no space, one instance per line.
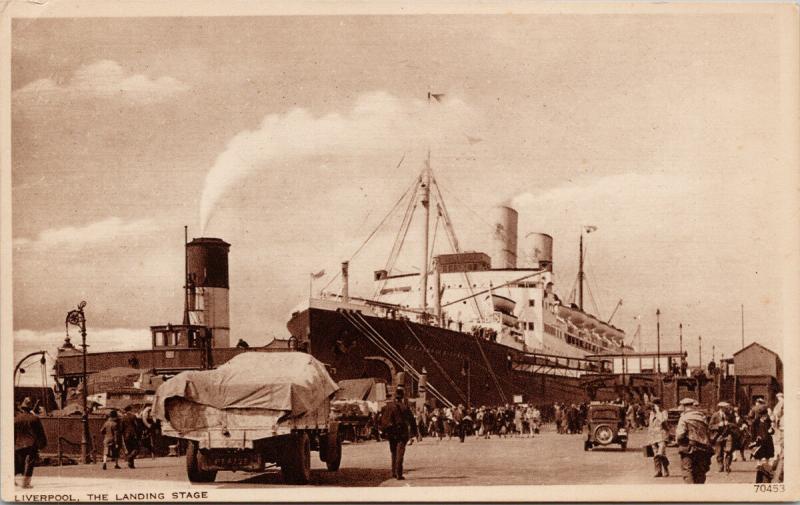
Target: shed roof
757,345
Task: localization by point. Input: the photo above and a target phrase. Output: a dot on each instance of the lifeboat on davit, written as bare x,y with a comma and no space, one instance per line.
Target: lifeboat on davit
503,304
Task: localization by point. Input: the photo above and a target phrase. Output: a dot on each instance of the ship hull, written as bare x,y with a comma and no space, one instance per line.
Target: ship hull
462,367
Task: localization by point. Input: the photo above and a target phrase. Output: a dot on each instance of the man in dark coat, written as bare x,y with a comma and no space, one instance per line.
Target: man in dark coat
694,444
129,426
763,448
398,425
112,438
29,437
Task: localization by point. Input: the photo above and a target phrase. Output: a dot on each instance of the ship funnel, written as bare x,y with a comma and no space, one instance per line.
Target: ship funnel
207,276
504,220
537,251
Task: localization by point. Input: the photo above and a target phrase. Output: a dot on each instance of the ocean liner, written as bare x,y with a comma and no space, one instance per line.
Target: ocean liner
469,328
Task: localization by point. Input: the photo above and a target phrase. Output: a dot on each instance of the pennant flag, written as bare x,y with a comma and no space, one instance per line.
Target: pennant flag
590,228
436,96
318,274
473,140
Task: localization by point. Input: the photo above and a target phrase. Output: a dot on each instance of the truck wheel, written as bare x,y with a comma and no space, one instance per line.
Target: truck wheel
193,465
296,464
323,449
333,453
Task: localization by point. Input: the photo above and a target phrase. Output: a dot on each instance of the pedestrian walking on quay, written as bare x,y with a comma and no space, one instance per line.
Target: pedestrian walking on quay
763,446
777,424
29,438
398,426
693,442
722,428
150,430
131,434
559,418
659,434
458,422
112,438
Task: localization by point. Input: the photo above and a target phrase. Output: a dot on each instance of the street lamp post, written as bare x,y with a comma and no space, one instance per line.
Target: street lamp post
658,354
658,340
700,350
76,317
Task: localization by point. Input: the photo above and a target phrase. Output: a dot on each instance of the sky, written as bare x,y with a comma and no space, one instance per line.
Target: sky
291,137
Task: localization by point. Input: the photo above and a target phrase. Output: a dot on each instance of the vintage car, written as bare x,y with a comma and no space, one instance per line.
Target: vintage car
605,425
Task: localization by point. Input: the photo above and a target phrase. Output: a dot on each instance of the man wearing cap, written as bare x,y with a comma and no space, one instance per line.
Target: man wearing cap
777,424
112,438
29,437
759,405
693,442
722,425
398,425
657,431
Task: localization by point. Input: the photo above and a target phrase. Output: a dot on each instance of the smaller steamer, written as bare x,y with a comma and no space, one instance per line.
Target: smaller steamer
256,410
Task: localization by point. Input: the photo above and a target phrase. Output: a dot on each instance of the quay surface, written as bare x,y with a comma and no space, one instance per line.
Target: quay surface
546,459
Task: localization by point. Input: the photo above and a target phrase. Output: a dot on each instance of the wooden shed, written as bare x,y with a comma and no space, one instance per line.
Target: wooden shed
759,374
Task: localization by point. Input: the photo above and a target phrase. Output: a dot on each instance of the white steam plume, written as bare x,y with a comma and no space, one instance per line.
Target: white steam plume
377,122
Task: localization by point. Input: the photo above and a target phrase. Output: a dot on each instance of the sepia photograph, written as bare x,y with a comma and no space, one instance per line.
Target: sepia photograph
399,252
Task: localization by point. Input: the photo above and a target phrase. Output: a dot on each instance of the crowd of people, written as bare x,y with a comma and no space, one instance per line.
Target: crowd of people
720,437
481,422
570,419
127,435
124,436
724,436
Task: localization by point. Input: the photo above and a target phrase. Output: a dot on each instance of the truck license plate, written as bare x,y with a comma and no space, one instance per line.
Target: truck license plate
234,460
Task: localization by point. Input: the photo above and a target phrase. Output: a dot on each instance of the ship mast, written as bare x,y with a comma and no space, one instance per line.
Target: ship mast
186,287
425,196
580,275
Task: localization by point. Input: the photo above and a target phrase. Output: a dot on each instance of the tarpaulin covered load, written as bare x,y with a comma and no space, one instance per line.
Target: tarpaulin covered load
291,382
351,409
355,389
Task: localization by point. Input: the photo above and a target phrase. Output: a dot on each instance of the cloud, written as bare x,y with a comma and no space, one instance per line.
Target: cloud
378,122
103,79
618,186
98,339
75,237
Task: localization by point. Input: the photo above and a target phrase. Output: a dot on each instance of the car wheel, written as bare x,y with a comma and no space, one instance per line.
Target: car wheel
603,434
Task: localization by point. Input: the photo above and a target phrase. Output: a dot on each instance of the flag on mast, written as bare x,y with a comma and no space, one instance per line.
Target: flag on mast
590,228
317,275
